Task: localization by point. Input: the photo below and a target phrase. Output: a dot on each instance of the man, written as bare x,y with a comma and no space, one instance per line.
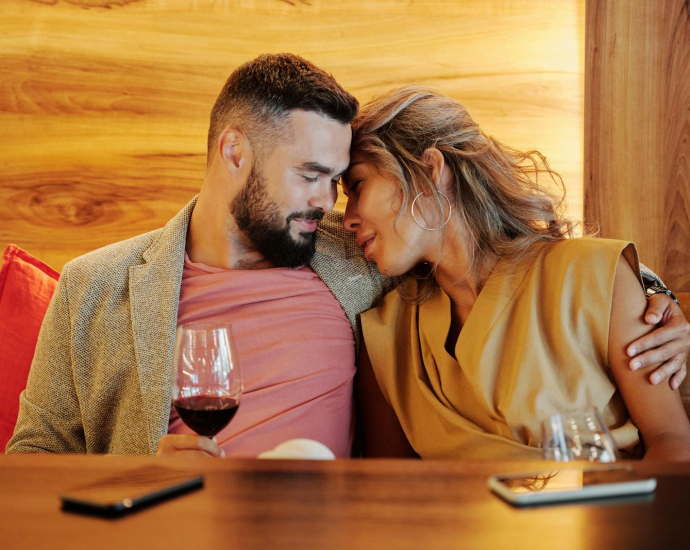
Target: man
278,142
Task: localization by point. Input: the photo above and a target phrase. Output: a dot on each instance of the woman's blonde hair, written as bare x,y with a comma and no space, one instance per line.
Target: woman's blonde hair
496,189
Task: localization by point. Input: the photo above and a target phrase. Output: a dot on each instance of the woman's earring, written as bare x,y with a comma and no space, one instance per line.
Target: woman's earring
450,211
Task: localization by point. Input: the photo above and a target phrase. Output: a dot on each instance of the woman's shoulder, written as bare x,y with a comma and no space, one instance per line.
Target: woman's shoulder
586,245
582,271
587,252
393,306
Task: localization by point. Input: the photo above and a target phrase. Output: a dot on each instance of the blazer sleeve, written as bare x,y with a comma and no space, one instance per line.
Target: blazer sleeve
49,415
650,278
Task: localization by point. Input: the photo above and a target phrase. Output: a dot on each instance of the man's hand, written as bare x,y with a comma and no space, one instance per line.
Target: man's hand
667,346
189,446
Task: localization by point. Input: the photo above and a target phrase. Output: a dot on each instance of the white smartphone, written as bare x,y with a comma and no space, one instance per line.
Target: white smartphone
570,484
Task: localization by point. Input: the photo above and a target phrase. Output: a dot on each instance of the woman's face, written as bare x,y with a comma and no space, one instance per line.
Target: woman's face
373,202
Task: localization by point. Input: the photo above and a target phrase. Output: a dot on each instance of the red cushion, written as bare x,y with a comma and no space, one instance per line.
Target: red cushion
26,287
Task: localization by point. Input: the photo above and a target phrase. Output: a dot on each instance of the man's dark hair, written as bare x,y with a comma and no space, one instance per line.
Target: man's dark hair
260,94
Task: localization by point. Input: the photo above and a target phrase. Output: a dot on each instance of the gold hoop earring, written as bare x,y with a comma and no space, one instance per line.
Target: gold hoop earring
450,211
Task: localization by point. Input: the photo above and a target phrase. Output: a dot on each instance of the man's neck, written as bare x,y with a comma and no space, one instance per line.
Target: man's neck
213,238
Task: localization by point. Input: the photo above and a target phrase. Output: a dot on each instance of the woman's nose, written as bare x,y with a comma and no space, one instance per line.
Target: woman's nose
351,218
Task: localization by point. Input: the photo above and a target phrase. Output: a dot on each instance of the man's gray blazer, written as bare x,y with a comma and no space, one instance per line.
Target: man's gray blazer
100,378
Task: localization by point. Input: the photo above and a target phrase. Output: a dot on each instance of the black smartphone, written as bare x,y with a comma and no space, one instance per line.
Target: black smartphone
130,491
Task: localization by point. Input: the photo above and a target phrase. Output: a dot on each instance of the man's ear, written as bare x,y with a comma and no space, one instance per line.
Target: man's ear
234,149
433,158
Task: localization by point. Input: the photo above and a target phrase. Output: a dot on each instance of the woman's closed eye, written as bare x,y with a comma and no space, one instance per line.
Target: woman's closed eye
350,185
354,185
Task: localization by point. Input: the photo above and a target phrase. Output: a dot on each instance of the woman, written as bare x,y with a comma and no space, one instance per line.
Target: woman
507,319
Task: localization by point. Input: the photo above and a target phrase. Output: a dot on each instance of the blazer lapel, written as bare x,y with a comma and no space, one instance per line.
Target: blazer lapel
154,292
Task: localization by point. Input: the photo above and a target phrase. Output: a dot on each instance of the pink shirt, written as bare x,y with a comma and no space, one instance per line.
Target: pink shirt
296,353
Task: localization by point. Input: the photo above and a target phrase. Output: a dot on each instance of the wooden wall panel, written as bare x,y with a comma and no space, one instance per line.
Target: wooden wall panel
637,129
104,104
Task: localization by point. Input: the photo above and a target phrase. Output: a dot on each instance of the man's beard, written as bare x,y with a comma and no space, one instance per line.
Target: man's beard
259,218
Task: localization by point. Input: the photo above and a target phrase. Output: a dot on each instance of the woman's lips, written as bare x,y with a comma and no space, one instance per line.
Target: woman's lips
367,249
365,244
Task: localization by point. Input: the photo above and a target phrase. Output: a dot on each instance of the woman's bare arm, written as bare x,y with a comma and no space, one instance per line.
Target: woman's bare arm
657,411
382,435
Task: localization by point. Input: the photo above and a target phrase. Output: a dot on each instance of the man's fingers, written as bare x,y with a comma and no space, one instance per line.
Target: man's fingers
667,346
656,357
665,371
197,443
656,308
192,454
209,446
186,444
677,379
659,337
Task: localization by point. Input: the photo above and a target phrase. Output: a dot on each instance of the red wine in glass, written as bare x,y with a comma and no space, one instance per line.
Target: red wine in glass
206,380
206,414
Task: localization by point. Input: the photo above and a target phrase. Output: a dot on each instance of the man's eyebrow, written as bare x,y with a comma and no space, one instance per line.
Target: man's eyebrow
316,167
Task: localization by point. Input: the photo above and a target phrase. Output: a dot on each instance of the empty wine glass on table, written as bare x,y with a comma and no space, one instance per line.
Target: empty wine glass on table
206,379
578,436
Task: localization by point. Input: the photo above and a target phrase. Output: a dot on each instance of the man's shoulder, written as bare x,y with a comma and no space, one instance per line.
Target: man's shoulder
106,270
119,255
111,261
331,230
337,252
355,283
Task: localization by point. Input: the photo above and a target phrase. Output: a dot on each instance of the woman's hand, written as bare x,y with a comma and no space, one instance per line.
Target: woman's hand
667,346
189,446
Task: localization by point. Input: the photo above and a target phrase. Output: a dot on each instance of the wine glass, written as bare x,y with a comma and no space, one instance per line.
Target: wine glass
578,436
206,379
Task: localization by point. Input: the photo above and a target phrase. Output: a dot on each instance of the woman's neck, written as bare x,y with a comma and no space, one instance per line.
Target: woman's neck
456,278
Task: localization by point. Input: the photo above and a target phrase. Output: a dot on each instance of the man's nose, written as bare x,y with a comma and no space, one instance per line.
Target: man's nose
351,219
325,197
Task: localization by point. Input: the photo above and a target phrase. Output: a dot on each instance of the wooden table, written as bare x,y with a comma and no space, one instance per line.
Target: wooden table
353,504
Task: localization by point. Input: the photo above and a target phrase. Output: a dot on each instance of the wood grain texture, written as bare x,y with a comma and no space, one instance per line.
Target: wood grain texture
104,104
637,129
348,504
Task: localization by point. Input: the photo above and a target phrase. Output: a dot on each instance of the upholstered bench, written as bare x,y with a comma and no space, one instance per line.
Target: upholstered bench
26,287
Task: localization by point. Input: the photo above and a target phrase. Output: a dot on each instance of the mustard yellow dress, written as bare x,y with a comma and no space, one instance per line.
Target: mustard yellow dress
535,344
